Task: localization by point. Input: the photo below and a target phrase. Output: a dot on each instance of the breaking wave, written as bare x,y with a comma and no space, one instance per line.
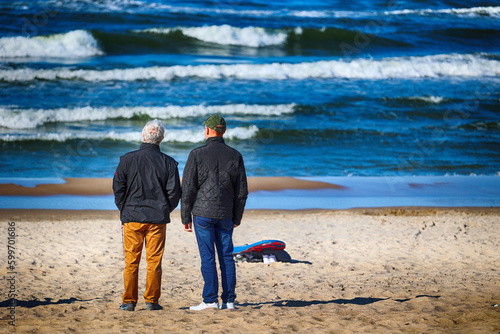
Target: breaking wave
474,11
74,44
453,65
290,41
228,35
172,135
31,118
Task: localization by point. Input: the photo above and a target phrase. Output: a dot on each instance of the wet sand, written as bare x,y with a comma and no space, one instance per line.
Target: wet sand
412,270
103,186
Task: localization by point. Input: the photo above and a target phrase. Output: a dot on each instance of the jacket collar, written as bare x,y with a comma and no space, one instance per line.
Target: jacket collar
215,139
148,146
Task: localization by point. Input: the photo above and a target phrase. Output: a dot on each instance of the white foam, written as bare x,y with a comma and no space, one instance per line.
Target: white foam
146,6
310,13
15,118
137,6
172,135
228,35
93,6
455,65
474,11
430,99
134,6
74,44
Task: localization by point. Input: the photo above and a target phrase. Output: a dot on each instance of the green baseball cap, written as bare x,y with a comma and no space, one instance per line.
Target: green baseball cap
215,122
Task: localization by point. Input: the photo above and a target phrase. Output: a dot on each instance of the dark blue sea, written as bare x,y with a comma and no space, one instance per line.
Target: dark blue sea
308,88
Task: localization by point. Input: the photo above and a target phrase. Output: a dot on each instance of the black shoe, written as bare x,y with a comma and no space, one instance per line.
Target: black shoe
153,307
128,307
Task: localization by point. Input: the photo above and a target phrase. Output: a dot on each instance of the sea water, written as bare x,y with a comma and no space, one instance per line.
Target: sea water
308,88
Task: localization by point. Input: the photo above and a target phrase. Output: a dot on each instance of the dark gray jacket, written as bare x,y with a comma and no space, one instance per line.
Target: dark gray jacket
214,183
146,186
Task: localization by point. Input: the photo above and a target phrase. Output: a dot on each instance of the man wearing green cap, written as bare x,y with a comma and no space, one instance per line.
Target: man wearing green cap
214,193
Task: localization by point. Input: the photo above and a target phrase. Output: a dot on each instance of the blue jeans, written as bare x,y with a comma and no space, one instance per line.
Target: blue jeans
211,234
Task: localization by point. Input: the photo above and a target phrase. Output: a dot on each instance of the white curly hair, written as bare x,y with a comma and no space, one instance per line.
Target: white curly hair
153,132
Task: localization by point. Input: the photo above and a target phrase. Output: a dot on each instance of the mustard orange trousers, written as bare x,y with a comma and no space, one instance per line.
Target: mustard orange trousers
134,235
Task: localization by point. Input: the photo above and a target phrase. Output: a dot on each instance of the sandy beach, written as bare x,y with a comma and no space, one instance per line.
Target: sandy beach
369,132
413,270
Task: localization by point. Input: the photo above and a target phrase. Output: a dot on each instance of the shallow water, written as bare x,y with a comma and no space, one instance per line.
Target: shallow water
357,192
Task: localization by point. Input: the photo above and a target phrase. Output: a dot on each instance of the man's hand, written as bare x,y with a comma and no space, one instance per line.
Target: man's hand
188,227
235,226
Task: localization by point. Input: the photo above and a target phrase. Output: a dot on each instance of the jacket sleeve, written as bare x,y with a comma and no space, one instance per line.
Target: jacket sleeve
174,188
189,188
240,194
120,184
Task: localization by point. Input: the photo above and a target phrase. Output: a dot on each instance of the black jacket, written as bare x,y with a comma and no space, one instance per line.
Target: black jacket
146,186
214,183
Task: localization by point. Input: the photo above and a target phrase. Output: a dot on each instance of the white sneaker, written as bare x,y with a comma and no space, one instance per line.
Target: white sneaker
227,306
265,258
272,258
203,306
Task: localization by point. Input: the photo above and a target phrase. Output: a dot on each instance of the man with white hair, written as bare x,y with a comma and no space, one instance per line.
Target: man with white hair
147,188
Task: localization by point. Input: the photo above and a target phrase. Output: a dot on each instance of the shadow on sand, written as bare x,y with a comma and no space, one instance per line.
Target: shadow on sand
304,303
36,302
280,303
